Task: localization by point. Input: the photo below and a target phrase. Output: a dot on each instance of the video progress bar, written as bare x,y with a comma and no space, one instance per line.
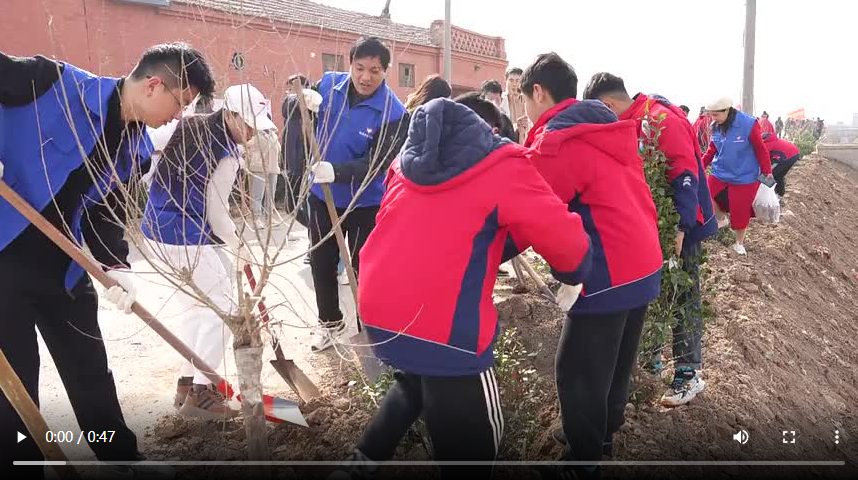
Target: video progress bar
630,463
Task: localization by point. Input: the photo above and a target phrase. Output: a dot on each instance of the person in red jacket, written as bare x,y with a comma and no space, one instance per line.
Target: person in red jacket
702,128
453,196
693,204
591,161
784,155
765,125
737,155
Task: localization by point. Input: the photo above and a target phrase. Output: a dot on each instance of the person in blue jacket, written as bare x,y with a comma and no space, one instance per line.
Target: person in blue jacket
361,127
68,139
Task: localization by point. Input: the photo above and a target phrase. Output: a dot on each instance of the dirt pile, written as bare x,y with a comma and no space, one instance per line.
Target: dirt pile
779,356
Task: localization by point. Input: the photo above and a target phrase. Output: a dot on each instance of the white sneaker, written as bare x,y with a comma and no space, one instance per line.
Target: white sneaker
343,278
330,336
685,386
725,222
740,249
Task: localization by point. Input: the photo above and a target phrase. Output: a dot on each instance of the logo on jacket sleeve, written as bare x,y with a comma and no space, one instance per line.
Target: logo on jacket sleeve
686,181
367,133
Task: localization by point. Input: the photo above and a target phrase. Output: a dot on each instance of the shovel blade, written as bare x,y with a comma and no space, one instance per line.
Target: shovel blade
372,366
296,378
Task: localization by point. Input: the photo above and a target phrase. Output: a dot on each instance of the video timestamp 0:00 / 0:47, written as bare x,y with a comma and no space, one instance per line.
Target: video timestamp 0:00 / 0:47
70,437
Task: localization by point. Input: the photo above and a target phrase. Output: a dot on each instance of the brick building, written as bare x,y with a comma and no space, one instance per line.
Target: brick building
260,41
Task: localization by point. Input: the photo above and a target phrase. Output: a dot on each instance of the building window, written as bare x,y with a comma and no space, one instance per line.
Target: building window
237,61
406,75
332,63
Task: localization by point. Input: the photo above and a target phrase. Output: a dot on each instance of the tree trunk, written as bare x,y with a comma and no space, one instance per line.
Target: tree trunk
248,361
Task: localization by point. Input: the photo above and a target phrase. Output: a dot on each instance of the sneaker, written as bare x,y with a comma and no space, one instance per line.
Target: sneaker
685,386
330,336
183,386
356,466
502,273
343,278
739,249
152,471
724,222
206,403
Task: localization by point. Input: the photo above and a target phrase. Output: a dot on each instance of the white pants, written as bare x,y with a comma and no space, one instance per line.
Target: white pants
202,330
262,187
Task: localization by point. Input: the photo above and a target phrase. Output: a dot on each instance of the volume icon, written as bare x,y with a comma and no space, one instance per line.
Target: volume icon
741,436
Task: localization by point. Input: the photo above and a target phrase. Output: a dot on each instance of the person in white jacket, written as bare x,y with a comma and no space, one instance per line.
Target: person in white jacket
262,156
187,220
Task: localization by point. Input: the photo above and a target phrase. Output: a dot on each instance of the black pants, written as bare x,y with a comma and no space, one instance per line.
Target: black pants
31,298
780,170
293,191
594,364
688,331
463,416
323,260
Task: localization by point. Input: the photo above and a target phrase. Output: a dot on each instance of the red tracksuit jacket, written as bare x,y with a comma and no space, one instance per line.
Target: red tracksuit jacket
686,174
779,149
591,161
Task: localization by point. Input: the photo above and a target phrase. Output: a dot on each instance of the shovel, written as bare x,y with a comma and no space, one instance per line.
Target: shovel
294,376
16,393
277,410
540,284
360,343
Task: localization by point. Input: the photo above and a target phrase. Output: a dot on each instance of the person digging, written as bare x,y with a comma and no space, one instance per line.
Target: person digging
692,203
68,139
187,221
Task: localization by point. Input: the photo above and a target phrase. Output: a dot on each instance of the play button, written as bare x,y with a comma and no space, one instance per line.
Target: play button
21,436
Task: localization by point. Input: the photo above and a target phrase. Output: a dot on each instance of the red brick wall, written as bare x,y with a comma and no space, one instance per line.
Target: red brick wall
106,37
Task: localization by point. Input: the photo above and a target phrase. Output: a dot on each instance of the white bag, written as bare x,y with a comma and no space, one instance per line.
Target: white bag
767,207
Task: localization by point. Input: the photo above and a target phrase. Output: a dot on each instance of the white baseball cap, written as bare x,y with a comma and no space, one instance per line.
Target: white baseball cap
248,102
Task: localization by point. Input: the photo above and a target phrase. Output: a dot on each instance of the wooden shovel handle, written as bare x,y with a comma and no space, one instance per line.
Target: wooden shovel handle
17,395
310,135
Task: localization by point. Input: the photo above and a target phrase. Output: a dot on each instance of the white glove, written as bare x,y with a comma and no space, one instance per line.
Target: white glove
567,295
312,99
323,172
124,294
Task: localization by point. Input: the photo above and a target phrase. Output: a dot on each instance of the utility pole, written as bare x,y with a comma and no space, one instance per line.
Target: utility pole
748,71
448,44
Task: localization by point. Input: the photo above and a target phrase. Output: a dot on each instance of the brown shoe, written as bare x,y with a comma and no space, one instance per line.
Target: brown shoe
183,386
204,402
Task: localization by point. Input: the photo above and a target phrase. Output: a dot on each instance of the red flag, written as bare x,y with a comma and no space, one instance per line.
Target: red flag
796,114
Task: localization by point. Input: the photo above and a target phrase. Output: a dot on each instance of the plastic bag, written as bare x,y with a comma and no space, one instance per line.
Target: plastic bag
767,207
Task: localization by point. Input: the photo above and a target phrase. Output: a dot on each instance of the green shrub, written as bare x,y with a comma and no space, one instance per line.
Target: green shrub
668,308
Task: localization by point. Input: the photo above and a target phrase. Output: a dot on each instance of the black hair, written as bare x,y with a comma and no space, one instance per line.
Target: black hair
482,107
369,47
178,65
305,82
553,74
513,71
491,86
731,117
685,109
702,110
605,84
